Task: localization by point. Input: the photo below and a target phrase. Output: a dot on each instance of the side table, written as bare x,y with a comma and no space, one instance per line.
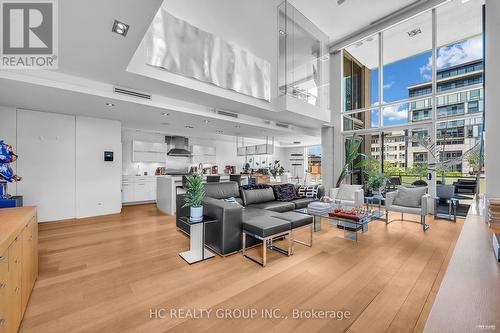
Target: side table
452,208
379,199
197,251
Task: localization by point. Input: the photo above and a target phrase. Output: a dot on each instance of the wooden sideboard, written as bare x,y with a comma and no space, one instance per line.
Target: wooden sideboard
18,264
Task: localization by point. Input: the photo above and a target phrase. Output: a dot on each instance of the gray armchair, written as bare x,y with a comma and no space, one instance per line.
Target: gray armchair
410,201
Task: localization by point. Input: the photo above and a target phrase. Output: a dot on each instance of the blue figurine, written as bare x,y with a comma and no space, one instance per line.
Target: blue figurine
7,156
6,153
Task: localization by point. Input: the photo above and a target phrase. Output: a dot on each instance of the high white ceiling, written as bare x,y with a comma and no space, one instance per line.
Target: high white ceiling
339,21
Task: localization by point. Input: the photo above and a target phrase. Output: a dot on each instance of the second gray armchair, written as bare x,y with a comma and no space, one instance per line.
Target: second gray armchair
410,201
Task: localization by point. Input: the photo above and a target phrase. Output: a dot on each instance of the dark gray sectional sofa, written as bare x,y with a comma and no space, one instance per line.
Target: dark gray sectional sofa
224,236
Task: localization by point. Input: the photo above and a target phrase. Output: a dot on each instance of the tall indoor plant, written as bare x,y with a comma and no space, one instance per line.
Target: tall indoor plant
195,193
351,155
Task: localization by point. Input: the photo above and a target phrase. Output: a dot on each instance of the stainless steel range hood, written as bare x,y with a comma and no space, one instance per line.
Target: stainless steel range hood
178,146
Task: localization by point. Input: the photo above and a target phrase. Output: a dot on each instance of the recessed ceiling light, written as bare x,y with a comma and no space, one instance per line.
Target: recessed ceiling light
189,126
120,28
414,32
110,104
164,114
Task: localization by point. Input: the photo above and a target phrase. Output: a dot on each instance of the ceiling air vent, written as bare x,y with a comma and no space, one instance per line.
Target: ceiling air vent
131,93
226,113
282,125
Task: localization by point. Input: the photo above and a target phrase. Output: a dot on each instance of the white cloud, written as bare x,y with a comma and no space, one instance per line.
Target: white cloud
388,85
459,53
396,112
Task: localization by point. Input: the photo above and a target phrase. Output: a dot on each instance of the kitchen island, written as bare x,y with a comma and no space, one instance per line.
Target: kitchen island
169,185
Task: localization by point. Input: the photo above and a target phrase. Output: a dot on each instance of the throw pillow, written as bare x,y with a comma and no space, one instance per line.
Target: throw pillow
410,196
308,191
285,192
255,187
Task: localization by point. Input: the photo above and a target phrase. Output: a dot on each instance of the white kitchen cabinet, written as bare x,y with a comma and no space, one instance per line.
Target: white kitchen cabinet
141,191
152,191
127,192
155,147
143,151
198,150
147,156
136,189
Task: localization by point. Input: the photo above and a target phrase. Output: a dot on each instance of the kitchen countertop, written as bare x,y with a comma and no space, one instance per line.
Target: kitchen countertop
221,175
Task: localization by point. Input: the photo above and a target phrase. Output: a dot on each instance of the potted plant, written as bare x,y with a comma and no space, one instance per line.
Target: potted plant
352,155
276,169
376,181
195,193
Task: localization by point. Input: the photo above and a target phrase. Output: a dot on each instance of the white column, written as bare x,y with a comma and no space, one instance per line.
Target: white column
327,157
333,164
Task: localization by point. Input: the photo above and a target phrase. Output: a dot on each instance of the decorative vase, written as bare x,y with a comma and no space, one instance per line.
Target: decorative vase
196,213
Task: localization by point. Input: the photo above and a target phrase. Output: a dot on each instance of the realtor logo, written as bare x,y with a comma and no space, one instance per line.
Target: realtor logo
29,34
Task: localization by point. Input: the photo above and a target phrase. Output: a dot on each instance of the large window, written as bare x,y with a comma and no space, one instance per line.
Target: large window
417,127
313,155
407,50
361,74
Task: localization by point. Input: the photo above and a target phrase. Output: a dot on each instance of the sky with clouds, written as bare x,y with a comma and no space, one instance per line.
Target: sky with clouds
400,75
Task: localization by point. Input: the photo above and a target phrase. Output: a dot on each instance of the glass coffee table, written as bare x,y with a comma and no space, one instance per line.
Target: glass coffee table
350,227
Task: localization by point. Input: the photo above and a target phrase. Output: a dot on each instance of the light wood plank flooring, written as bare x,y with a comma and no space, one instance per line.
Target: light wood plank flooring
105,274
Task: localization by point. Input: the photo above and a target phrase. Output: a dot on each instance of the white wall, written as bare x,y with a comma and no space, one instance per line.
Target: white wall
98,183
492,98
61,162
46,149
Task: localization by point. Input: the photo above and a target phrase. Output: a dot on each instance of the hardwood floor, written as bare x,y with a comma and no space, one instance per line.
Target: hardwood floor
105,274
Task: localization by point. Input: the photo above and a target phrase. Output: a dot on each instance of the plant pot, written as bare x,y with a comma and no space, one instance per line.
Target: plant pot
196,213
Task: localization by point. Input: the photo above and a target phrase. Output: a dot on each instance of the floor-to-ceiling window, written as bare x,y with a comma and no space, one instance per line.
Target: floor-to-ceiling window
313,163
414,93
